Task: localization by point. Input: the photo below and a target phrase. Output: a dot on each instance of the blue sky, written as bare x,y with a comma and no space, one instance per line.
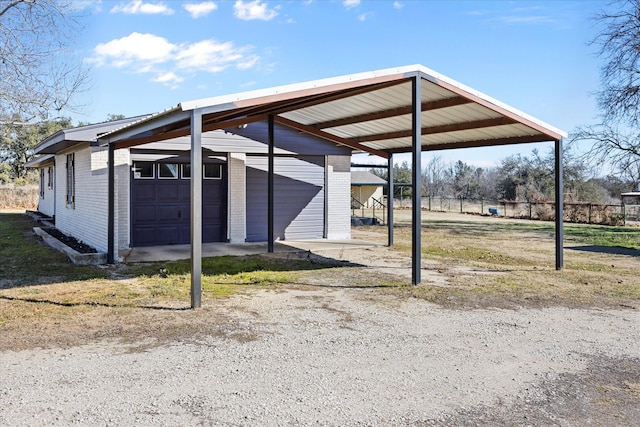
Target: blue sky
146,55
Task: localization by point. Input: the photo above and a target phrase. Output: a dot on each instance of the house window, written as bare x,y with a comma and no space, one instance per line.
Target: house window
143,170
186,171
213,171
168,171
41,183
71,180
50,178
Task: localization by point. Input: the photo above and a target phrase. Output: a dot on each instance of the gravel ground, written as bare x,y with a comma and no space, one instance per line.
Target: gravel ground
344,356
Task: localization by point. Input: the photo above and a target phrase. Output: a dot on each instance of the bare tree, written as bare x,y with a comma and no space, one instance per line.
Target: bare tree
619,46
38,74
615,141
614,146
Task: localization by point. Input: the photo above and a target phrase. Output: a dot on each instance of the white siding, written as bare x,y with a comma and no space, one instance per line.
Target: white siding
339,197
237,211
46,202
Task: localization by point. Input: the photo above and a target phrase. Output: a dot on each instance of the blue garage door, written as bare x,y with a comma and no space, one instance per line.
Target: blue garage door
161,203
299,198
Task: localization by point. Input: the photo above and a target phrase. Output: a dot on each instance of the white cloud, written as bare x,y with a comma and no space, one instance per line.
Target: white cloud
253,10
530,19
169,78
134,48
350,3
198,10
398,5
169,62
135,7
364,16
208,55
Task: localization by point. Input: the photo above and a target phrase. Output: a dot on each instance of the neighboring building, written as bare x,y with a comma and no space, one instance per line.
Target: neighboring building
631,205
367,189
152,187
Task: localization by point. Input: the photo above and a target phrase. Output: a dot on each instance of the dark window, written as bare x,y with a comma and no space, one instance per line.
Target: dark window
168,171
50,178
71,180
186,171
213,171
143,170
42,183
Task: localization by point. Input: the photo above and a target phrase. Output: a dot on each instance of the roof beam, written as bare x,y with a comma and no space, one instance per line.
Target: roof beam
478,143
210,126
431,130
393,112
329,137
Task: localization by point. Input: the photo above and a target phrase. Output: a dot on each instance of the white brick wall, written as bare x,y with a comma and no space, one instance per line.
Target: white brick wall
122,199
87,220
339,197
237,180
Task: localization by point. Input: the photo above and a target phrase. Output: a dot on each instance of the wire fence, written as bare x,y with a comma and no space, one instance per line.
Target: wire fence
576,212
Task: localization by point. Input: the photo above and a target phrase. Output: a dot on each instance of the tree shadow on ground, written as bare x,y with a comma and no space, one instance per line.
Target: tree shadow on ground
605,250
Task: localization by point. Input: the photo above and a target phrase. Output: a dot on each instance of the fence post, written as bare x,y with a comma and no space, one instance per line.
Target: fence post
529,210
481,206
460,204
589,213
429,202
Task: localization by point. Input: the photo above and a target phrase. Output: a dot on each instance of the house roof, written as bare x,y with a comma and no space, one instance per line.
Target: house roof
368,112
366,178
40,161
66,138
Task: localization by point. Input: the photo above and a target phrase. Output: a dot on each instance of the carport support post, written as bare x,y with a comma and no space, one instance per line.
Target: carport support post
559,206
111,208
416,127
196,209
270,201
390,199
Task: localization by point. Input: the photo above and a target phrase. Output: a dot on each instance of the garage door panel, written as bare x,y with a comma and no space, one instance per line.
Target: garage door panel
145,191
170,191
161,211
145,213
168,234
167,213
144,235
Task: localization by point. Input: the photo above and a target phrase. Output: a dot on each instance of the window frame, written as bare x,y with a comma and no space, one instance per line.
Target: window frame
71,181
177,171
153,170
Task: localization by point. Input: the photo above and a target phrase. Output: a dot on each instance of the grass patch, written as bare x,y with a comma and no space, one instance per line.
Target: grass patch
598,235
25,260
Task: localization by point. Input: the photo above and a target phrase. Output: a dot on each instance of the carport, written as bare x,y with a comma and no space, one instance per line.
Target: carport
398,110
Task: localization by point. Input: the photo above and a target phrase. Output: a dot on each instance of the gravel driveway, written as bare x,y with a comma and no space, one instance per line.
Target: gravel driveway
341,357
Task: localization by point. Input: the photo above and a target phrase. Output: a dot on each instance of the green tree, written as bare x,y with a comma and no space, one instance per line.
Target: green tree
18,140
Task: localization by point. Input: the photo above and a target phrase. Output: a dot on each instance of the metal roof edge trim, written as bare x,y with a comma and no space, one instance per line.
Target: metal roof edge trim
104,139
437,78
40,161
232,99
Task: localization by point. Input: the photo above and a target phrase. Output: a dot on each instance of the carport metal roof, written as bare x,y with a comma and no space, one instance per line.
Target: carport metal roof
369,112
396,110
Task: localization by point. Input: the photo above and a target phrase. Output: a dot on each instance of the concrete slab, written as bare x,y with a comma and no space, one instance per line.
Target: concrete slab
178,252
